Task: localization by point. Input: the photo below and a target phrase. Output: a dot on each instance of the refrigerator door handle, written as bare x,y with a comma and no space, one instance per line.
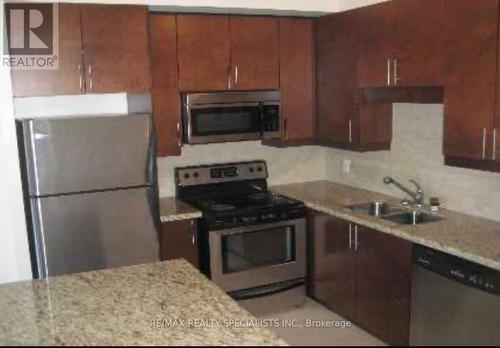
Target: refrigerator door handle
29,150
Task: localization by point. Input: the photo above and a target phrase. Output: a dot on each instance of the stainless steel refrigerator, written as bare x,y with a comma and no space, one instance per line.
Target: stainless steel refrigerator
91,193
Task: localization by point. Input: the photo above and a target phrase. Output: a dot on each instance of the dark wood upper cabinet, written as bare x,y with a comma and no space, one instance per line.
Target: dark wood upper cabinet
419,50
102,48
377,27
116,47
165,94
203,52
254,52
179,239
470,66
343,121
336,43
67,79
383,274
363,275
297,63
495,146
333,260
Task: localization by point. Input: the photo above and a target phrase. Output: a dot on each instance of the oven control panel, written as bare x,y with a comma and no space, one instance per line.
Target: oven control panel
219,173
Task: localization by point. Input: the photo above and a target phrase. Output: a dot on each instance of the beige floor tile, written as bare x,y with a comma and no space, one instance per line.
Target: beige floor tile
314,336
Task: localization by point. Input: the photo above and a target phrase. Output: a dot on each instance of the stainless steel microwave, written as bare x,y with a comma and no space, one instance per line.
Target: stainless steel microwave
230,116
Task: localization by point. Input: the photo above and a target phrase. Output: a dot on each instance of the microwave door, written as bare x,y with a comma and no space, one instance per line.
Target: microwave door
215,123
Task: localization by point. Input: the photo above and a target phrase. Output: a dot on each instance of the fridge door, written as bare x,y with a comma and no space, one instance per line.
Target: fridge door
78,154
76,233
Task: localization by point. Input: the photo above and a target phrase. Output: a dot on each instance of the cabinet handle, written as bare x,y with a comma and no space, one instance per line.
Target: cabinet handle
91,85
350,131
494,156
285,124
396,78
179,142
80,77
229,77
236,75
355,237
388,70
484,143
192,232
350,236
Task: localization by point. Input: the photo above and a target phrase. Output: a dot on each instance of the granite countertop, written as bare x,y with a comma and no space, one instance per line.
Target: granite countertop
472,238
127,306
172,209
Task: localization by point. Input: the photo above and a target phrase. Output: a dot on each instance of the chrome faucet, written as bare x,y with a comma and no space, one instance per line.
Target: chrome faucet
418,195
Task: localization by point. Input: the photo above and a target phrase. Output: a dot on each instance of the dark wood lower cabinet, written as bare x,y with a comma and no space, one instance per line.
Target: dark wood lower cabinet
383,283
179,239
332,260
363,275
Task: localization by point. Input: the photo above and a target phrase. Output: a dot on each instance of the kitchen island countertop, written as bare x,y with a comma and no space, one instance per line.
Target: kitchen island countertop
163,303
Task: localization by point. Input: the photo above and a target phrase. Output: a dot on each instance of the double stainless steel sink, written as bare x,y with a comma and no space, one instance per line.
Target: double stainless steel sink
398,213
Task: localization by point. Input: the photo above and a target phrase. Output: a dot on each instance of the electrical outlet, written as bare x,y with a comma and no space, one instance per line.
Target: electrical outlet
346,166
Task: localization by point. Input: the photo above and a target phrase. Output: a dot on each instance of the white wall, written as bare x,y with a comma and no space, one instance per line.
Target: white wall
416,153
14,255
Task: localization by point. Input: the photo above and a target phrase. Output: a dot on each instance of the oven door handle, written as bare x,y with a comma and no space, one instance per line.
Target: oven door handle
268,290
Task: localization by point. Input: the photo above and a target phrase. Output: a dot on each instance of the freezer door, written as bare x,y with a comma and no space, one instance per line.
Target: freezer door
78,154
76,233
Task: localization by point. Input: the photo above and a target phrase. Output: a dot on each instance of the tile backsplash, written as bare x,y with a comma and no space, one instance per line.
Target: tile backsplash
416,153
285,165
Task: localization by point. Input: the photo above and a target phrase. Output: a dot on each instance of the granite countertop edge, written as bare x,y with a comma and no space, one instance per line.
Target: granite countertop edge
450,225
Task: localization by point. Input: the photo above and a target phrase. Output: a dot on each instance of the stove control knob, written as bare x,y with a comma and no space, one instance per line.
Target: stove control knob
186,176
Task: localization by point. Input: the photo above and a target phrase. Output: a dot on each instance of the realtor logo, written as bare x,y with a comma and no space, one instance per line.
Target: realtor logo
32,36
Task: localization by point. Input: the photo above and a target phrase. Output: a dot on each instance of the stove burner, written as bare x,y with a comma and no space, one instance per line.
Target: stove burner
258,197
221,207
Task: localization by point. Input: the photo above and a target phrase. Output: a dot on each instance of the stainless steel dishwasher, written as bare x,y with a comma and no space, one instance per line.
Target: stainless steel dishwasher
454,302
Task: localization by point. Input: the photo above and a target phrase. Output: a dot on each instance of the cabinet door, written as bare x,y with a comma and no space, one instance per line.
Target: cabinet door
254,52
334,264
378,39
203,52
165,93
68,79
116,48
420,43
297,64
373,126
470,52
383,285
336,83
179,239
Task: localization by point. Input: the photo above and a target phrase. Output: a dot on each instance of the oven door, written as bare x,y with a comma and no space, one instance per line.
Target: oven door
214,123
252,256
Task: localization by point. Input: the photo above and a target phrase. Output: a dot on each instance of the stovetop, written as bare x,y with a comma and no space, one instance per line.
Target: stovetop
244,204
234,194
248,208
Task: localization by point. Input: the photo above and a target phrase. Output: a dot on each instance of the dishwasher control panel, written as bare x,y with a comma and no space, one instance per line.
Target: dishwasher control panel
461,270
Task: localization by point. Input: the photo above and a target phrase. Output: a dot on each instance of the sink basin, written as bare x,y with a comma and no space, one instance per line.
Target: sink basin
376,208
412,217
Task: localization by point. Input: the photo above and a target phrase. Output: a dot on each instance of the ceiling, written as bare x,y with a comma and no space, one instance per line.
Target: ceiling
309,8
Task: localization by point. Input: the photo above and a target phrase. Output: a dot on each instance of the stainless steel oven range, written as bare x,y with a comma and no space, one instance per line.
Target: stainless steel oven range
252,241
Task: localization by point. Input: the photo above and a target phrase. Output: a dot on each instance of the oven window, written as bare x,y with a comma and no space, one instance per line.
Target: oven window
249,250
227,120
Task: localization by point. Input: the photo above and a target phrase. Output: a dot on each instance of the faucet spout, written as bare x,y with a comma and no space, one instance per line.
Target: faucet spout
417,195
